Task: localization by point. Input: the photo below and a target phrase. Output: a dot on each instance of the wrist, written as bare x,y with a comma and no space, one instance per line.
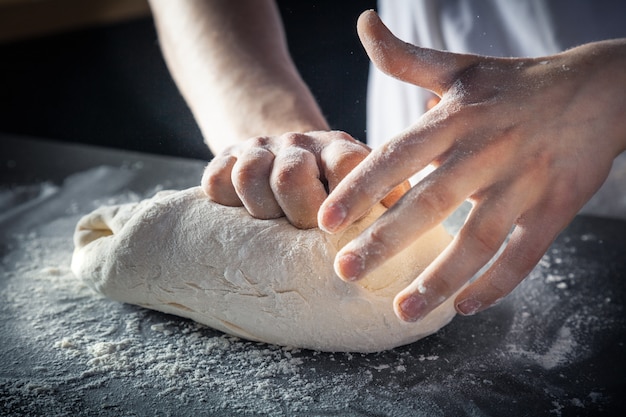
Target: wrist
240,113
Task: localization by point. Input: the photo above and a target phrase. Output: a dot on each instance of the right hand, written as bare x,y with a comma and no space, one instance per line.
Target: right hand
288,175
527,140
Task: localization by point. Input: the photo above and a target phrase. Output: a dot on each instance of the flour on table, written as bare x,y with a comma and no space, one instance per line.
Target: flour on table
261,280
66,352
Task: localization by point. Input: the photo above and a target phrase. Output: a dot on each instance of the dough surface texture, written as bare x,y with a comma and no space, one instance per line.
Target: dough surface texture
261,280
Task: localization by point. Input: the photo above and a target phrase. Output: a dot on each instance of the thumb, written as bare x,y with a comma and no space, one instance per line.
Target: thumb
428,68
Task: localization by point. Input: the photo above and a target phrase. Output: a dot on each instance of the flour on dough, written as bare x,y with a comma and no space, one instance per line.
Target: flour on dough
262,280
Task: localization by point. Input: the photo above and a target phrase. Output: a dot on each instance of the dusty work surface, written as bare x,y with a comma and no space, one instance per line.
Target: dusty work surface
555,347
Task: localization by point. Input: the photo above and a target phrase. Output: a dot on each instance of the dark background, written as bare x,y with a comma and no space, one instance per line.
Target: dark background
109,85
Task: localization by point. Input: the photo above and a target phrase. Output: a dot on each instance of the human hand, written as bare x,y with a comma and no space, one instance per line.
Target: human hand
288,175
527,141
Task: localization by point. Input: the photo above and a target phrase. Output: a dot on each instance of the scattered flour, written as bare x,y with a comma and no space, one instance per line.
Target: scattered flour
68,352
85,346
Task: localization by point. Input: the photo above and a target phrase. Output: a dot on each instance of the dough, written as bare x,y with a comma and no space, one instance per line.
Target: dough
262,280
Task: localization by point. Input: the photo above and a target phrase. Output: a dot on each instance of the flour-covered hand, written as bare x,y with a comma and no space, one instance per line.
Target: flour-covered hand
289,174
526,141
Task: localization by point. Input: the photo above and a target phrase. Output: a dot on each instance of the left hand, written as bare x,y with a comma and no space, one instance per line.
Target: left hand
527,141
285,175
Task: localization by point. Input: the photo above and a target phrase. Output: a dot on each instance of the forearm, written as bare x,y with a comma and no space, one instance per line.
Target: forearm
231,63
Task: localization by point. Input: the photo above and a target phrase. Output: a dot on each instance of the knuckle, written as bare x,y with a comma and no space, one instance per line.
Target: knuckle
212,184
498,287
437,287
378,238
343,136
352,155
253,167
340,158
295,139
217,175
484,237
435,201
212,179
346,162
525,261
345,144
259,202
258,142
488,243
284,180
244,173
293,168
379,246
220,189
220,163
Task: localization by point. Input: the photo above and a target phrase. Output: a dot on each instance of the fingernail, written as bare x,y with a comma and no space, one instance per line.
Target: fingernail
333,216
350,266
468,307
412,308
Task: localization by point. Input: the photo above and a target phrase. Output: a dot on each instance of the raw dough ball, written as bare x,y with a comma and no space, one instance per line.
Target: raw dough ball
261,280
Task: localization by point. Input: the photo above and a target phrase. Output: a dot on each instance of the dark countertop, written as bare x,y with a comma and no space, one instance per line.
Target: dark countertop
555,347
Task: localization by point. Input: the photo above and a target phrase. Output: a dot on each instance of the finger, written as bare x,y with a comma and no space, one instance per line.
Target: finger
339,158
217,183
386,168
297,186
428,68
251,180
527,245
481,237
427,204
